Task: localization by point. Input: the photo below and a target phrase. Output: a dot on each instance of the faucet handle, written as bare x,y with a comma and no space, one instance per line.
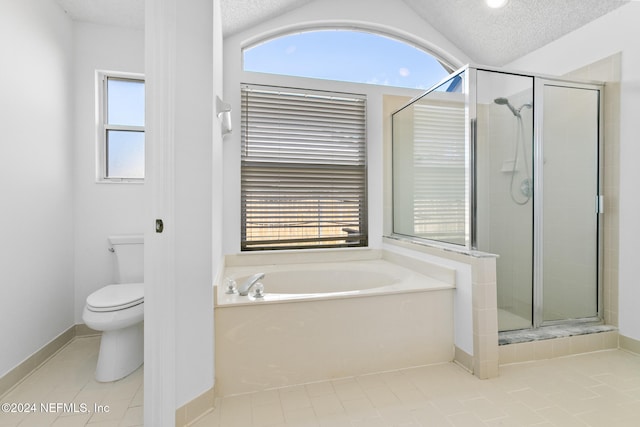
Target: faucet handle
258,290
231,287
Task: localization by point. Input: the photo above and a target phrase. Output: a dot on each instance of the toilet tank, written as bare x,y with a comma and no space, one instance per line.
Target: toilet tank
129,254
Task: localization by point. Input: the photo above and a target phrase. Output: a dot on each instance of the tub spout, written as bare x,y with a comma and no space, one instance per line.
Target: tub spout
248,284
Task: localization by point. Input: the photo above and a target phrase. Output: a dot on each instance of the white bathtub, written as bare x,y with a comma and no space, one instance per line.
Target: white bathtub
320,321
307,281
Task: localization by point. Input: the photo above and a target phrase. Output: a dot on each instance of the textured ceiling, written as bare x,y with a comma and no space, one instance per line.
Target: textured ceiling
498,36
237,15
490,37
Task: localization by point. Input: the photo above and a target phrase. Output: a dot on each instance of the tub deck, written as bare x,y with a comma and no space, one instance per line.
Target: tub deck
386,278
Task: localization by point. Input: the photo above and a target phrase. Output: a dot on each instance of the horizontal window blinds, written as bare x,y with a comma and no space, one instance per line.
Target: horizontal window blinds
439,168
303,168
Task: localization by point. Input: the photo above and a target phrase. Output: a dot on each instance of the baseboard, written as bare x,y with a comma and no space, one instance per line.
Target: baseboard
195,409
629,344
83,330
463,359
17,374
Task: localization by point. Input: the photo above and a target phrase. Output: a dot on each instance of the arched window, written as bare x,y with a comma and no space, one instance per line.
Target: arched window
304,151
346,55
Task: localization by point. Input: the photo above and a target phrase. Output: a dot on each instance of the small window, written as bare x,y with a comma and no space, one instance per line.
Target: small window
303,169
121,127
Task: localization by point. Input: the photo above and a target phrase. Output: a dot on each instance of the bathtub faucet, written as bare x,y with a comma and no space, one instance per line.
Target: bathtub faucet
248,284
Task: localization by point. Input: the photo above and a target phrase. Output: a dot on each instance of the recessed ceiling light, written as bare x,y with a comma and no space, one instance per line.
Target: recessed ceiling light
496,4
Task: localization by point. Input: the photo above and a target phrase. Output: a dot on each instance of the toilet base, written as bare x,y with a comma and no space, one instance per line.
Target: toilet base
121,352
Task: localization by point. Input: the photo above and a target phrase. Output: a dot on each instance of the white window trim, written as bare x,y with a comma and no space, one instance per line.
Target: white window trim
102,127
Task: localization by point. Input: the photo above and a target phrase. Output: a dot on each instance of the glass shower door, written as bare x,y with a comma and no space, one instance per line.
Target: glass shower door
570,205
504,189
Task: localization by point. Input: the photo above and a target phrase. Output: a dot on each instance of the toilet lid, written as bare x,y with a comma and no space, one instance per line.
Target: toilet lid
116,297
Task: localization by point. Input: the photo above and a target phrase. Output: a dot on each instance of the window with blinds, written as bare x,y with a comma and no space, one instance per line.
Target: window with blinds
303,169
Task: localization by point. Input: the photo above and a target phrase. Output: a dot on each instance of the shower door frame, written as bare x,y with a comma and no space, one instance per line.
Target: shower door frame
538,201
471,141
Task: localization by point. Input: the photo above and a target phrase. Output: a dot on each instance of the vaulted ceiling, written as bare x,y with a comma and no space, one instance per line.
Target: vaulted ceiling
488,36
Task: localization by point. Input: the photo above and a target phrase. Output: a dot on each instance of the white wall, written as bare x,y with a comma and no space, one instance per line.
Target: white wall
101,209
392,17
194,166
615,32
217,180
183,142
36,171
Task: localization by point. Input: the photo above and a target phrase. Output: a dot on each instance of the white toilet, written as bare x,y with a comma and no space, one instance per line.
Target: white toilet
118,311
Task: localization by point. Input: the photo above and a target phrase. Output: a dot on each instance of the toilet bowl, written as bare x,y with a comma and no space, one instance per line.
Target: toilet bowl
117,311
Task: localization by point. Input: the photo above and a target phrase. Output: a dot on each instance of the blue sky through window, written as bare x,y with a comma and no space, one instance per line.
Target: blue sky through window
125,102
345,55
124,128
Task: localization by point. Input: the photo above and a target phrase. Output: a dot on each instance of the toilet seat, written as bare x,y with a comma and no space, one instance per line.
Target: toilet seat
116,297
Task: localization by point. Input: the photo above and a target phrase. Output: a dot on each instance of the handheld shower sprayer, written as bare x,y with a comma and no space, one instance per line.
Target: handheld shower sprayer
515,111
526,185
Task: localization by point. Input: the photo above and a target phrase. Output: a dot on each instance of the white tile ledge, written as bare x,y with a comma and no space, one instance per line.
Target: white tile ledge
442,246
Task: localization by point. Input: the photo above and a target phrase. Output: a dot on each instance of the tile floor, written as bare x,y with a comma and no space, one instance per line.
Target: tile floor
594,389
67,379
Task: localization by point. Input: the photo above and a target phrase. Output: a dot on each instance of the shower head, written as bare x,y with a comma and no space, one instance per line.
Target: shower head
505,101
515,111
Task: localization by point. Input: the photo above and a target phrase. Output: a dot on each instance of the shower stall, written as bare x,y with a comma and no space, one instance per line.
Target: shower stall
509,163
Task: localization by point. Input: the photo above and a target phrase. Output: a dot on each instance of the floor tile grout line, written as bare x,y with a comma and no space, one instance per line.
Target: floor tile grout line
39,367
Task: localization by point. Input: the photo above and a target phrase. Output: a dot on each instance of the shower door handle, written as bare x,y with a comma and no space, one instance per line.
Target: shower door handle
599,204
